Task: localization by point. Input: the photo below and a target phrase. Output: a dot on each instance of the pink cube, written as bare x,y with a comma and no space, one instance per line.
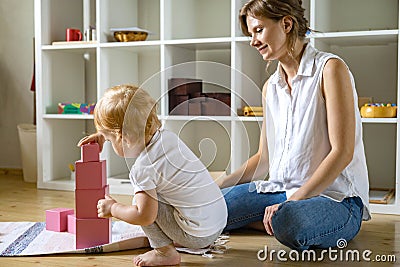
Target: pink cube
90,152
92,232
56,219
86,202
71,221
90,175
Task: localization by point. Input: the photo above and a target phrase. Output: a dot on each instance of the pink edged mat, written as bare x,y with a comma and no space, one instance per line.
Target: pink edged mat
32,238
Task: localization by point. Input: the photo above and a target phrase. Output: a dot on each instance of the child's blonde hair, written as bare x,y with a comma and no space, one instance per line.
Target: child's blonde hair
128,111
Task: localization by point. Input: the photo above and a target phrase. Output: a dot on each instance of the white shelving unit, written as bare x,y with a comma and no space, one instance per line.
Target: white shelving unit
201,39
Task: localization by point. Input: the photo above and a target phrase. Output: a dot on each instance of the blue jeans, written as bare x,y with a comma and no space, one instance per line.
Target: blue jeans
317,222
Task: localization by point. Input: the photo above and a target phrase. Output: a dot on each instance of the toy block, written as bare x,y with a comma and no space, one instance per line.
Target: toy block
86,201
90,152
56,219
90,175
92,232
71,223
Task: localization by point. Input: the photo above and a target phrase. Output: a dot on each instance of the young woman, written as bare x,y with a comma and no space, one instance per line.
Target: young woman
176,199
317,191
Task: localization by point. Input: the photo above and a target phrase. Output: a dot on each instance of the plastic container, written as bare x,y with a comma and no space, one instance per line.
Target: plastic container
27,139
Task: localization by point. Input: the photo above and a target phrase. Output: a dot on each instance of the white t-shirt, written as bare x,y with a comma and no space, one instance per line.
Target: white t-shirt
182,181
300,130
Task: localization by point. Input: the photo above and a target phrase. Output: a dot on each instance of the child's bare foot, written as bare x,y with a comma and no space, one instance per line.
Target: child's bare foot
160,256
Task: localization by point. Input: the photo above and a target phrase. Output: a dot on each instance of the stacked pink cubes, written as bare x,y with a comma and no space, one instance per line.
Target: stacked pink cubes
91,185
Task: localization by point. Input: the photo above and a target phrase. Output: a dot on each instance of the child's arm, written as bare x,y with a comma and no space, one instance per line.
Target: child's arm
93,138
143,213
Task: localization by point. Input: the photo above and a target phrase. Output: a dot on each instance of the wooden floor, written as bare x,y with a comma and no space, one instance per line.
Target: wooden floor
21,201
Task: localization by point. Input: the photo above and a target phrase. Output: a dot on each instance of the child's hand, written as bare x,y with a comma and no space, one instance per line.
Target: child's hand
93,138
104,207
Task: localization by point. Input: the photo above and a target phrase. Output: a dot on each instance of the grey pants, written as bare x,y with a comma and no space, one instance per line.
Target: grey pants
165,231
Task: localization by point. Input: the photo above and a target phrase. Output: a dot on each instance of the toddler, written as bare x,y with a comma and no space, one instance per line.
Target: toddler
175,198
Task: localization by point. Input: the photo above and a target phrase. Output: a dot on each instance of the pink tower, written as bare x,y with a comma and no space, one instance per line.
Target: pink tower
90,186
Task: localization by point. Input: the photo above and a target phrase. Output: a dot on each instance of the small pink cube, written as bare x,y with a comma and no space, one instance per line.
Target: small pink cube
71,228
90,152
56,219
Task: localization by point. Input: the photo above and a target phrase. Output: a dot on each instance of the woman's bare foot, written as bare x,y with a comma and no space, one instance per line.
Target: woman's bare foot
160,256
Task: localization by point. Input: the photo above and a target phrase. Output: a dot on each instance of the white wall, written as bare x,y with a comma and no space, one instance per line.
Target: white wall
16,69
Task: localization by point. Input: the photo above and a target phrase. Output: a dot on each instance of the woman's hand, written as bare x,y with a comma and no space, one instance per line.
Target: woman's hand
93,138
104,207
269,212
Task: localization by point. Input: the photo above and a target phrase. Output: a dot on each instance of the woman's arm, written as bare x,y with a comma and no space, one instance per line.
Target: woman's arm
256,166
143,213
338,93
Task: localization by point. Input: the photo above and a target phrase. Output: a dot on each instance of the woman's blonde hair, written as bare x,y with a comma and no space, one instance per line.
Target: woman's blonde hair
128,111
276,10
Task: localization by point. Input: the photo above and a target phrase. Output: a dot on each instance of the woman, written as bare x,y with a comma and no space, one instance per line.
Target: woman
317,191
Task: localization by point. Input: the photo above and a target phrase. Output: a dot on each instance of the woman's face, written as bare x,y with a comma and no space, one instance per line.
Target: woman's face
268,37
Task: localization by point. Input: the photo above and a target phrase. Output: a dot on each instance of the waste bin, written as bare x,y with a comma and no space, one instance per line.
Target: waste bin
27,139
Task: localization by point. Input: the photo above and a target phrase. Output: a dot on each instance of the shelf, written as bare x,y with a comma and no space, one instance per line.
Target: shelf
357,38
195,118
68,116
130,44
72,46
116,185
119,185
59,184
379,120
384,208
249,119
202,43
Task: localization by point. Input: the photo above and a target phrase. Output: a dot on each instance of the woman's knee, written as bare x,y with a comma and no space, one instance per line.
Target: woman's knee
288,227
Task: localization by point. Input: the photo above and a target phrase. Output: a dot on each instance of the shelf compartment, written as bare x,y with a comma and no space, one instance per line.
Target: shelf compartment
380,60
58,15
250,76
144,14
56,155
381,196
339,15
187,19
141,67
380,150
208,62
68,76
246,141
212,147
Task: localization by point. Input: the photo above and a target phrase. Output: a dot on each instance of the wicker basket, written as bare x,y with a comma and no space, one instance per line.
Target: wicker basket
130,36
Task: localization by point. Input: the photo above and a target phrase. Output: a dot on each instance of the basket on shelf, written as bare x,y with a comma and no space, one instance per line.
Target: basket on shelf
129,34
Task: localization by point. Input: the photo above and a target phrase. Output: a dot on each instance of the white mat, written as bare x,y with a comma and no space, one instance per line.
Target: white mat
32,238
